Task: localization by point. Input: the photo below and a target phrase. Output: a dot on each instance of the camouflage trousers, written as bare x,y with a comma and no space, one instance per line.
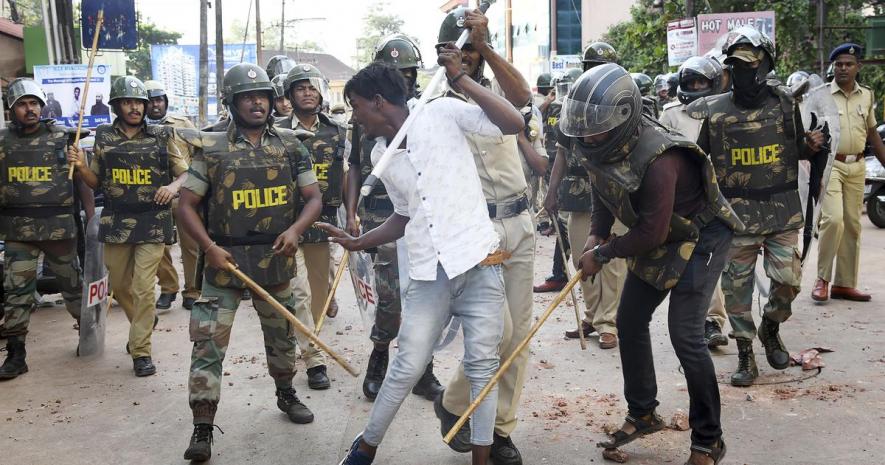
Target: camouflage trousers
211,321
20,280
388,307
782,266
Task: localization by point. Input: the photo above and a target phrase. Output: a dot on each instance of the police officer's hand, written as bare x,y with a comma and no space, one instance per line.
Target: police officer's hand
588,265
338,236
449,57
550,97
287,243
478,24
165,194
551,204
218,258
353,227
815,140
76,157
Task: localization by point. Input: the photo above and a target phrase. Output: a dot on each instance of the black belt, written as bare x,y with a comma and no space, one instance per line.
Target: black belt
249,239
509,209
36,212
761,194
374,203
135,208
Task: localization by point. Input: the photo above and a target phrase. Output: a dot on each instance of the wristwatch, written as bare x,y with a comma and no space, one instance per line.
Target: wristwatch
598,257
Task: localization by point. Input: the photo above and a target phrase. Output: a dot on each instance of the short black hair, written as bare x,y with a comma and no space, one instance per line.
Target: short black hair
378,79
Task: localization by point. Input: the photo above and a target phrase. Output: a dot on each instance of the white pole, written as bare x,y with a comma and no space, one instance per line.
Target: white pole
46,30
55,32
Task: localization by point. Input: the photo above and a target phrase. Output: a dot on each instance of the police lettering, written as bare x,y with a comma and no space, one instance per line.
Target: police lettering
30,173
322,171
752,156
259,198
139,177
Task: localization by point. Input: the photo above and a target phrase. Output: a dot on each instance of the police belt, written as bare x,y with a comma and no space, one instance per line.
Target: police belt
761,194
36,212
251,238
508,209
706,216
134,208
375,204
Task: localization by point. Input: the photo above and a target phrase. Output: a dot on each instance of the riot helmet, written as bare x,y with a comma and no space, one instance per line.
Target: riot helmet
155,89
694,69
453,25
564,83
279,89
797,78
598,53
128,87
643,82
746,45
399,51
22,87
544,83
279,64
244,77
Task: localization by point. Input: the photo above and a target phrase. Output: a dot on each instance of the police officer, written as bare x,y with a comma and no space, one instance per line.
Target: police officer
570,191
279,65
282,108
503,182
399,51
698,77
755,138
167,276
663,188
645,85
306,88
36,216
139,169
247,182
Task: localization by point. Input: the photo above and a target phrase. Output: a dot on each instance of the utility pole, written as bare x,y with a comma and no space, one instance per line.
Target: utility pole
258,31
204,61
219,55
821,20
283,27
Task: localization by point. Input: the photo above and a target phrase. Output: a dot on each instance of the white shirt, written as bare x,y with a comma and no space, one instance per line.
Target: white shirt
434,183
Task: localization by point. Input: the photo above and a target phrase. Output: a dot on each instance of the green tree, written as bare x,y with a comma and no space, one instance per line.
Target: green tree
138,61
795,29
376,24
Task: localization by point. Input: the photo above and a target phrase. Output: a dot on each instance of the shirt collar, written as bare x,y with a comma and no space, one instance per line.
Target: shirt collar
313,127
143,132
835,88
235,136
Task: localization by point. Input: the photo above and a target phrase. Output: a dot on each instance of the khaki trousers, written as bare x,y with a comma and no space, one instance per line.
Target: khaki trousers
517,237
602,295
316,257
839,234
168,275
132,271
301,303
716,312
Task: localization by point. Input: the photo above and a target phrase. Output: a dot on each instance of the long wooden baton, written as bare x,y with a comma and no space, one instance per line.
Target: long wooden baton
338,274
285,313
504,366
567,273
85,93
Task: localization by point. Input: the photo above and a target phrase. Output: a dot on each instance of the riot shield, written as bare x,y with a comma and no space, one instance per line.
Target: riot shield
362,276
93,314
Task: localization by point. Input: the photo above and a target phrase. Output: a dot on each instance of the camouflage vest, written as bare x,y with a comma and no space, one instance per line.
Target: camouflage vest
130,173
574,190
376,207
756,159
551,119
615,182
326,149
251,200
36,197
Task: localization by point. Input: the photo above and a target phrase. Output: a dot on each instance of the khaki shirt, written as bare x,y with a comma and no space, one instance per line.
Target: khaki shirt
855,117
176,158
180,122
676,117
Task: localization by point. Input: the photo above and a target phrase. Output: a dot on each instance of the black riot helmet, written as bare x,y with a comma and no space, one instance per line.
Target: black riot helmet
747,44
545,83
598,53
603,100
278,64
643,82
672,84
698,68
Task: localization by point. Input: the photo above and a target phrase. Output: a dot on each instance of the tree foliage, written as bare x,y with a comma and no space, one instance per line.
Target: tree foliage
376,24
138,61
641,41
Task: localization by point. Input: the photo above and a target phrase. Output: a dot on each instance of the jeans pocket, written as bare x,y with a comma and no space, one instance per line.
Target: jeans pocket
204,319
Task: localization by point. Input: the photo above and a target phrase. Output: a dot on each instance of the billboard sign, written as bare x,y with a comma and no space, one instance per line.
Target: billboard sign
713,28
682,41
64,84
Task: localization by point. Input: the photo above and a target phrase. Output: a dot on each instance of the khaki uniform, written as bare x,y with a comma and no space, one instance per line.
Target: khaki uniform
839,232
535,182
135,231
677,118
503,184
166,273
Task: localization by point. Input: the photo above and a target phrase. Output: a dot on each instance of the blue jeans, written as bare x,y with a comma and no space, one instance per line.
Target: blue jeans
477,297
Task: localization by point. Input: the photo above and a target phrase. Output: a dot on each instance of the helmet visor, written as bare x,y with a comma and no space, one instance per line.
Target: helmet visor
318,84
581,119
562,89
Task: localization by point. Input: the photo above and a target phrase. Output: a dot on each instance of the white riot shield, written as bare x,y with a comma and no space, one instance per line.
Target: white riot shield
93,314
362,276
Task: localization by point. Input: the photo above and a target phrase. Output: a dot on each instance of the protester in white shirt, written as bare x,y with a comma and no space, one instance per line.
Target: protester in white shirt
440,209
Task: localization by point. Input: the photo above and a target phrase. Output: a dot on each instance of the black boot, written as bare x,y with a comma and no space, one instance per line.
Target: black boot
200,448
375,373
15,358
746,372
165,300
461,441
143,366
317,378
713,335
504,452
775,352
289,403
428,386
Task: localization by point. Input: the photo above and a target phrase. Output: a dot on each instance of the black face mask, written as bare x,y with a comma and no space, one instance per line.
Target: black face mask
749,84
